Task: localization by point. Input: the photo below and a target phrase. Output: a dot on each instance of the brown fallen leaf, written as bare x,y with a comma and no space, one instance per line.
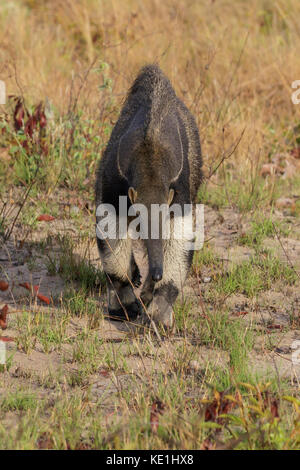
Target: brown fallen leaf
218,406
45,218
7,339
26,285
295,152
3,315
43,298
157,409
269,401
274,408
3,285
19,113
275,327
104,372
241,313
35,289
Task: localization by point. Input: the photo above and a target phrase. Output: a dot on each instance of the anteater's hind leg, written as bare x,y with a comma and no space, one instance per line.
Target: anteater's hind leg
121,272
160,297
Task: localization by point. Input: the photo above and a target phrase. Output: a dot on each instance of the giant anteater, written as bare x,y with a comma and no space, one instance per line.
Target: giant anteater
153,157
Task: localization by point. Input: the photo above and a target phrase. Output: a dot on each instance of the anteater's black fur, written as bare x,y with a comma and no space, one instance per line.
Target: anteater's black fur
153,147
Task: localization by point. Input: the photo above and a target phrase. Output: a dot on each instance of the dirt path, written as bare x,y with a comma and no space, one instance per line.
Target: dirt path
70,346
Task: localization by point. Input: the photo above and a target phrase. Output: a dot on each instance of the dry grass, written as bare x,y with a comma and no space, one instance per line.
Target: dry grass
233,64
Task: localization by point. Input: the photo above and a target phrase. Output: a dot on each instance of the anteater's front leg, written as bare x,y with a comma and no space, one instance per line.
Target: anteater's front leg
121,273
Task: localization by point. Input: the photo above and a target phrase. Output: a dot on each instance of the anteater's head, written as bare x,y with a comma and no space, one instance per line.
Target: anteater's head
152,162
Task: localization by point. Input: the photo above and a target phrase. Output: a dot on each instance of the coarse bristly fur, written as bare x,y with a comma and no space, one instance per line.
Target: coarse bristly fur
154,150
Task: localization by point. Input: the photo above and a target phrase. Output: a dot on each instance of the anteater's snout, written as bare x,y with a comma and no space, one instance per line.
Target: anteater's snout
156,274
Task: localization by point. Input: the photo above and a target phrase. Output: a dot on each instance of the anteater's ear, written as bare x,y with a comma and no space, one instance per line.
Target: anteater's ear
171,196
132,193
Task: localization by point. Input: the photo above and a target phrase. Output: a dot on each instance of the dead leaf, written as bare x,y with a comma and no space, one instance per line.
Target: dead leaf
274,408
295,152
43,298
35,290
270,402
275,327
30,126
26,285
7,339
241,313
19,114
3,285
218,406
3,315
45,218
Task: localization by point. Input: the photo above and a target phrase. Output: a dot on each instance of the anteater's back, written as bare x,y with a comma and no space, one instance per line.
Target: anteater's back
152,92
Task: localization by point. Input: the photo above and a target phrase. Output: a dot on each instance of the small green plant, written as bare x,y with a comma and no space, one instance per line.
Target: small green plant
257,274
261,229
231,335
77,303
184,319
72,268
206,257
18,401
237,191
49,331
87,350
